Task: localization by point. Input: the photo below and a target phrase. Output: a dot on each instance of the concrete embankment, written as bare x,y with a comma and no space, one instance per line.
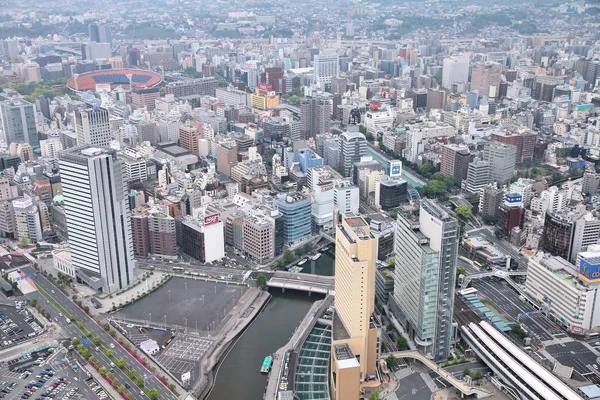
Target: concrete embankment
248,307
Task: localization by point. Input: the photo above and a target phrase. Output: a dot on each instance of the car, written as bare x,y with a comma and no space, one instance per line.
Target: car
595,366
60,314
97,349
53,291
112,345
33,390
127,385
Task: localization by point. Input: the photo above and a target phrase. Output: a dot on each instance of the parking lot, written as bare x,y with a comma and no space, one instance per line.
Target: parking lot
184,353
197,304
575,354
47,374
16,325
507,301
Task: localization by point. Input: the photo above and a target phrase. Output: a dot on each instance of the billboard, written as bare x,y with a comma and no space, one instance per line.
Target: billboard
325,187
395,168
589,272
211,219
264,86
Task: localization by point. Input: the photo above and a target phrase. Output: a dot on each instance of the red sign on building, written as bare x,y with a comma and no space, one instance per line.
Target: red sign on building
211,219
264,86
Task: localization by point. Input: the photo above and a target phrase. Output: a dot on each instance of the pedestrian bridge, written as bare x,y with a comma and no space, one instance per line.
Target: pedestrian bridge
462,386
498,273
303,282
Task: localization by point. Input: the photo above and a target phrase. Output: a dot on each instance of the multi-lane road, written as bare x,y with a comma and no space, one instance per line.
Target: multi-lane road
89,324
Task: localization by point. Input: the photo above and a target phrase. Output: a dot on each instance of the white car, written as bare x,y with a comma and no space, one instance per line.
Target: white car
112,345
595,366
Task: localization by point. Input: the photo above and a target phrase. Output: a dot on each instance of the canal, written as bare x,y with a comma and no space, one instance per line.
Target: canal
239,376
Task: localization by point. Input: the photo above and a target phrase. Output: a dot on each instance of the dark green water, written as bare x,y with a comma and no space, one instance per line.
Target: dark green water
239,376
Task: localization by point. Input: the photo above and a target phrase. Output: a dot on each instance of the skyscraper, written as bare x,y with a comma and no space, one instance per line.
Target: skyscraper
485,78
326,67
99,33
502,159
354,342
455,70
98,217
315,116
426,248
352,146
92,126
18,122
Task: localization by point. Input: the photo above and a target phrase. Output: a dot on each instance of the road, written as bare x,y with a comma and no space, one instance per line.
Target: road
500,244
91,325
238,274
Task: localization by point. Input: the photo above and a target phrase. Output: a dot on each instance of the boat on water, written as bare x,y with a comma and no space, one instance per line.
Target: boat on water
301,262
316,257
266,365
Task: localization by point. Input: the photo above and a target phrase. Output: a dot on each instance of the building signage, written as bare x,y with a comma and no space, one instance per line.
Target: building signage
589,272
264,86
326,187
395,168
211,219
577,329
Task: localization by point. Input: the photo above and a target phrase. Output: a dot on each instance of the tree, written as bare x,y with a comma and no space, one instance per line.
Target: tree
463,211
392,361
109,353
402,343
261,281
121,389
103,371
477,374
460,270
96,340
374,395
75,342
33,302
288,256
24,241
153,394
466,371
120,363
392,261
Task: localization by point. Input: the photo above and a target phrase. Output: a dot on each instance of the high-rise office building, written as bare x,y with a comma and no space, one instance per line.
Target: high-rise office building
479,175
485,78
568,233
455,70
523,141
352,146
426,248
296,209
354,333
315,116
98,217
18,122
502,159
326,67
455,161
99,33
92,126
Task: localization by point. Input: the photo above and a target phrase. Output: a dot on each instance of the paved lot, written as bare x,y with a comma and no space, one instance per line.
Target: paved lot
184,353
10,315
188,302
61,367
412,387
576,355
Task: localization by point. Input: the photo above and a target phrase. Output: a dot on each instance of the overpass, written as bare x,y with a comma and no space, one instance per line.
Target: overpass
303,282
498,273
462,386
513,365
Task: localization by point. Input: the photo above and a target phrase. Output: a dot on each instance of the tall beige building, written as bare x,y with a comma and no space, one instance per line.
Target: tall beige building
354,345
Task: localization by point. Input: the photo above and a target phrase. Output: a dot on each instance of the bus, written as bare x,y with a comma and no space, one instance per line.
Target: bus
178,269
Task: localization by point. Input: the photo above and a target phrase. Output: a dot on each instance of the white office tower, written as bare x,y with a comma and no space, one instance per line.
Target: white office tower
98,219
327,66
455,70
92,126
426,248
